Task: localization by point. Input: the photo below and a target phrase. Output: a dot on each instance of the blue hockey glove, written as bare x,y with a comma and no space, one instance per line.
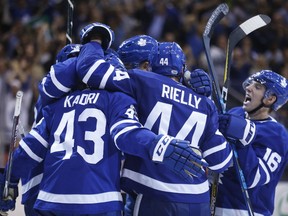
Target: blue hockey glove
237,128
199,81
178,156
9,202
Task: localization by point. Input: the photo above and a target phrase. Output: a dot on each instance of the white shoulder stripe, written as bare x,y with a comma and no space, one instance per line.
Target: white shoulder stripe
57,83
39,138
91,70
31,154
106,77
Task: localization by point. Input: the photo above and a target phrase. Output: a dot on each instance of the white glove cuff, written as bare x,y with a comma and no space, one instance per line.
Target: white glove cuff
160,148
249,133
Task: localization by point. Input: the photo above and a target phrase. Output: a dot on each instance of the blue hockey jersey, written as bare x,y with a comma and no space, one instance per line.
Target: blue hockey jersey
54,85
78,141
263,163
164,106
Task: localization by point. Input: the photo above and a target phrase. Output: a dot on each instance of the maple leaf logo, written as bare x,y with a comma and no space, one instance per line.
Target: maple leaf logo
142,42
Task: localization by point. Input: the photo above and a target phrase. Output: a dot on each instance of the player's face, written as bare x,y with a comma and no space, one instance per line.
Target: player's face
254,96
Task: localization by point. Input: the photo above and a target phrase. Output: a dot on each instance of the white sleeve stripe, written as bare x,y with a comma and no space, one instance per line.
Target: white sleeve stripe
57,83
39,138
91,70
126,129
36,180
129,121
265,170
256,179
214,149
44,90
30,152
221,165
106,77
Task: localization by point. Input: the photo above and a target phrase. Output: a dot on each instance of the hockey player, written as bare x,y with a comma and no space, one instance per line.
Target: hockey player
47,88
264,154
172,161
78,140
56,82
163,105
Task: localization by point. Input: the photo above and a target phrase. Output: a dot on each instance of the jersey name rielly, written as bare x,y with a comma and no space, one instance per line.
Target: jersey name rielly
180,96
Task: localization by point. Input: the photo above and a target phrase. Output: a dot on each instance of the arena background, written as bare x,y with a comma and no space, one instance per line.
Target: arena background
33,31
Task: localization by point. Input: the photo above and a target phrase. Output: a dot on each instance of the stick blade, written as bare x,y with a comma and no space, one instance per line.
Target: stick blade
247,27
221,11
254,23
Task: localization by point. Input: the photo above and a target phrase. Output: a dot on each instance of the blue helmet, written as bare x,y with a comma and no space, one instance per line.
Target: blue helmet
136,50
98,29
169,59
112,57
274,83
68,51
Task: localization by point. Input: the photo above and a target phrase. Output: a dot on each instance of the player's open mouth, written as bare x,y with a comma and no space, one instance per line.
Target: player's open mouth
247,99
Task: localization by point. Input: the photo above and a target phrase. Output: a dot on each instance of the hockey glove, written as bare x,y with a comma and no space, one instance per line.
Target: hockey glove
178,156
7,203
199,81
237,128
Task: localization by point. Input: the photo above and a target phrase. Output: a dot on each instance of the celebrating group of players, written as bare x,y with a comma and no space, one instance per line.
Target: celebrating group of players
137,120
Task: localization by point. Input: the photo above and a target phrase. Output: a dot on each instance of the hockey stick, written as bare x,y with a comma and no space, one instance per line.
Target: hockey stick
214,19
235,36
221,11
12,147
70,10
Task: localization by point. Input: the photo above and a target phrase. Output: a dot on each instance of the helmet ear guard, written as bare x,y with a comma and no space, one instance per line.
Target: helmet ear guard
274,83
95,30
168,59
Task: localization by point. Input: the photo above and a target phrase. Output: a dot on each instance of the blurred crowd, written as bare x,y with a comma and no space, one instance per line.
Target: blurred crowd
33,31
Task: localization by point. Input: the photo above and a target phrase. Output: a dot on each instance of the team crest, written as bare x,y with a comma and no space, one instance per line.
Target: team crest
142,42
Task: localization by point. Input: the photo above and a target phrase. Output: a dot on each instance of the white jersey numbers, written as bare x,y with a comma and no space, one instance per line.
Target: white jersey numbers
196,121
120,75
66,128
272,159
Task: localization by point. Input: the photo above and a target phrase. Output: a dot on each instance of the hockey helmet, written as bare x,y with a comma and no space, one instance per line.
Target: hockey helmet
169,59
99,29
274,83
136,50
68,51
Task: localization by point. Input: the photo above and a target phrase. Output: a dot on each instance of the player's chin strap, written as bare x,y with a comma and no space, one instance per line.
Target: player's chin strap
259,107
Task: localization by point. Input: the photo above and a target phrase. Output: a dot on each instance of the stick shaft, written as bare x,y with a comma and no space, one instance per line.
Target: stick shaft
70,10
12,146
214,19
